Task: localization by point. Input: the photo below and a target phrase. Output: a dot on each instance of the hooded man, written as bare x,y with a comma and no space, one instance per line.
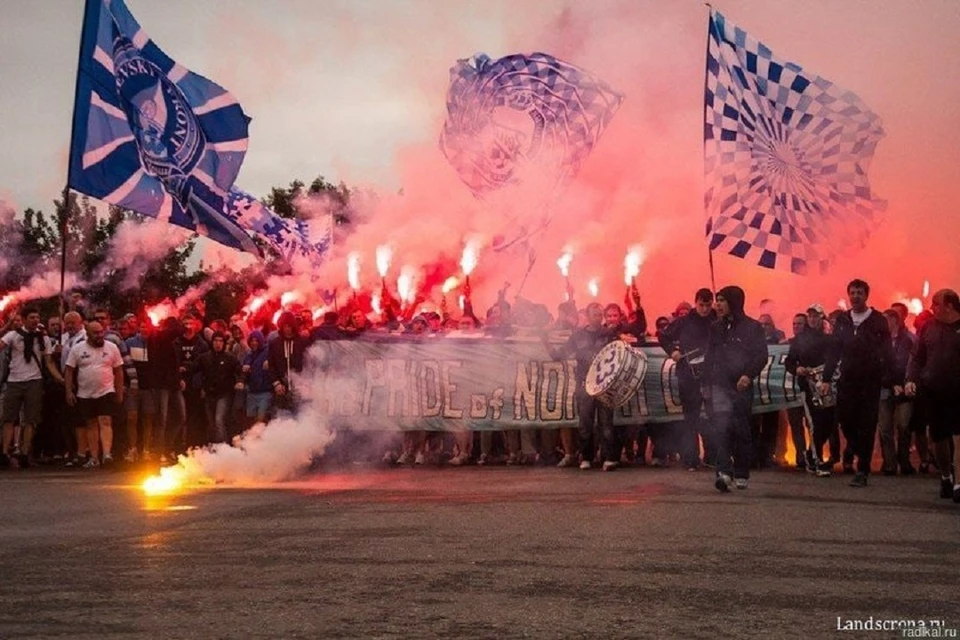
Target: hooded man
257,376
865,357
286,357
736,354
219,374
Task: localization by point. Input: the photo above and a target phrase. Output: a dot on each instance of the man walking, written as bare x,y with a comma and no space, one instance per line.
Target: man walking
736,355
865,355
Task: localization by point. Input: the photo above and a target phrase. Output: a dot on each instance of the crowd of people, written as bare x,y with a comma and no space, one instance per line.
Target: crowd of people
69,384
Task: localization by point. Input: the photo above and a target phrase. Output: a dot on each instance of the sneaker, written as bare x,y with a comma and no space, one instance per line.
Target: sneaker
859,481
693,468
566,461
824,471
130,455
458,460
24,461
107,460
722,483
513,459
741,483
420,459
484,459
609,465
585,465
388,458
656,462
91,464
946,488
627,459
405,458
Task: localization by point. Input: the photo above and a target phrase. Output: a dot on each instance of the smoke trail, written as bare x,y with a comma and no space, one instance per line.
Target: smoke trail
136,246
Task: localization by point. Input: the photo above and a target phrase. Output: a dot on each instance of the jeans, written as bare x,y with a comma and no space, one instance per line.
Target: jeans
691,398
894,418
730,421
858,408
218,407
595,413
165,436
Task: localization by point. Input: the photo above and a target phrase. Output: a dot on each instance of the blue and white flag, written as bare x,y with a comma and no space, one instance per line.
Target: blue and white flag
522,118
150,135
786,157
292,239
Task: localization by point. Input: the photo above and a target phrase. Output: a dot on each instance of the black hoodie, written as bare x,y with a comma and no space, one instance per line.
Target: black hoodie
865,352
737,345
690,335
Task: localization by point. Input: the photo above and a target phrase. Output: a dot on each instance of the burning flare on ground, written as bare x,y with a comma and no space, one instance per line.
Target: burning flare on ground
594,287
564,263
384,255
170,480
632,263
353,270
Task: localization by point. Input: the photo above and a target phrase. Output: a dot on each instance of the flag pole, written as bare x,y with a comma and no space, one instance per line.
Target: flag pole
713,278
70,156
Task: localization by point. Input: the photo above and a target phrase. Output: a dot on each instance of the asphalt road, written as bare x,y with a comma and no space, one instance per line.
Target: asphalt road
492,552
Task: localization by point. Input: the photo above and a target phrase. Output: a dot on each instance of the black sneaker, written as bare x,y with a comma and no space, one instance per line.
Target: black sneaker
946,488
722,483
859,480
824,471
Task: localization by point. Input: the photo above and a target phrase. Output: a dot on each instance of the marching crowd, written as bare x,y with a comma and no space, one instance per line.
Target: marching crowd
70,384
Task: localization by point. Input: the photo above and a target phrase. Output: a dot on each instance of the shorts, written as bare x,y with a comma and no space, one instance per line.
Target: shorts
258,404
142,401
93,408
943,414
23,400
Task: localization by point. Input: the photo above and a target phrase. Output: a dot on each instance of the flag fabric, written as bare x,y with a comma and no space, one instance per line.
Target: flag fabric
786,157
522,117
151,136
292,239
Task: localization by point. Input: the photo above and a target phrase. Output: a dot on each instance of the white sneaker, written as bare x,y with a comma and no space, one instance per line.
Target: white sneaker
107,460
585,465
388,458
483,460
420,459
405,458
458,460
741,483
130,455
566,461
609,465
91,464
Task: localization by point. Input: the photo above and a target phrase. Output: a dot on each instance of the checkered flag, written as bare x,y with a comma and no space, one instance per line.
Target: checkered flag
786,157
522,119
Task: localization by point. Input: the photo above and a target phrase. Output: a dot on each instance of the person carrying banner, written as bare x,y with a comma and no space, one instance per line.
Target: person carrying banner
934,372
685,340
736,354
584,344
864,355
807,355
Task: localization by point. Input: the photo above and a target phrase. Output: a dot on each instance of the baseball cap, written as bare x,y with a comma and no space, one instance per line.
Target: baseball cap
816,307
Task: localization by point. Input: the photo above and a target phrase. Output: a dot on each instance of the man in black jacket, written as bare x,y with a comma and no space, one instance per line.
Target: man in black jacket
219,376
934,372
808,351
685,340
865,356
736,355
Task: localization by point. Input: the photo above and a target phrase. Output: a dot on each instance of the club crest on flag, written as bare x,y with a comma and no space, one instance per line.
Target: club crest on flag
786,156
522,119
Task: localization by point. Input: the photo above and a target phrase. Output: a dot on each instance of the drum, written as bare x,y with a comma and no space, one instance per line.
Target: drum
616,373
817,400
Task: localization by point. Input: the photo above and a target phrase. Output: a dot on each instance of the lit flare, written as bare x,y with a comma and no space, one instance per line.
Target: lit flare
594,287
632,263
564,263
384,256
353,270
470,257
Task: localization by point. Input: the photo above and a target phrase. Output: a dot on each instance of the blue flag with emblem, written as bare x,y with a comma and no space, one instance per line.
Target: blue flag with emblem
786,157
522,118
152,136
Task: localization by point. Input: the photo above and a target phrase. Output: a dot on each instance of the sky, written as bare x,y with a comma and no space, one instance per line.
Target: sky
354,90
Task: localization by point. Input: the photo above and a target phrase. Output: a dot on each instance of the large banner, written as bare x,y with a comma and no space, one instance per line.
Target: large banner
446,383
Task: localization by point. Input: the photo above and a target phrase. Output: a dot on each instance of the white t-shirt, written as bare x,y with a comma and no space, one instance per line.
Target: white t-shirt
858,318
20,369
94,368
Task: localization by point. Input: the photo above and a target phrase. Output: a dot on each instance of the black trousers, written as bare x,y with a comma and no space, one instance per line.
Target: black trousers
594,413
858,409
